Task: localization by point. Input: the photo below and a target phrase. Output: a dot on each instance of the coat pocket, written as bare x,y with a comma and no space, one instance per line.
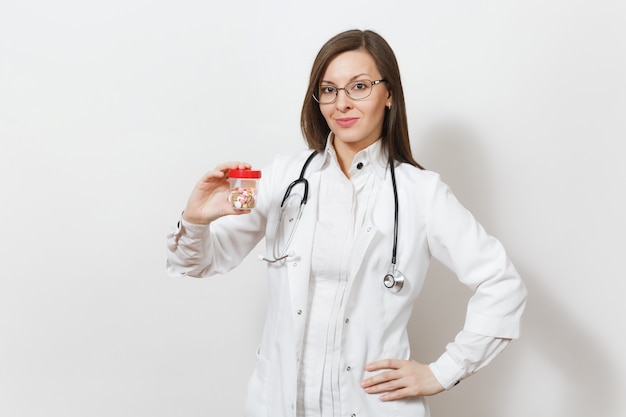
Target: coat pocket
256,400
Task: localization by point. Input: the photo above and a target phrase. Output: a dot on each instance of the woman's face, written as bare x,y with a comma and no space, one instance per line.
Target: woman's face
356,124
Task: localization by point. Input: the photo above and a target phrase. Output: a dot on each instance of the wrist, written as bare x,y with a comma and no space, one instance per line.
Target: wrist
194,219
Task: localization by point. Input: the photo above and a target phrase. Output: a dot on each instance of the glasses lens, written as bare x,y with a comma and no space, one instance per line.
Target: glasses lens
358,90
326,94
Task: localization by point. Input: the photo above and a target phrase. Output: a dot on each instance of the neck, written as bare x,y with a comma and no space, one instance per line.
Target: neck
345,159
345,154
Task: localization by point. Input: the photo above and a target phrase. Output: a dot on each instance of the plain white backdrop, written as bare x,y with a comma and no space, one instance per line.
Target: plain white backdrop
110,111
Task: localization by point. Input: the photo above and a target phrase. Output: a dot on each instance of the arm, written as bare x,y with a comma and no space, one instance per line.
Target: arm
405,378
211,237
494,311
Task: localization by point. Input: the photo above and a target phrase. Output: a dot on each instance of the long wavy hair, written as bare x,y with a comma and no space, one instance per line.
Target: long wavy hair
395,135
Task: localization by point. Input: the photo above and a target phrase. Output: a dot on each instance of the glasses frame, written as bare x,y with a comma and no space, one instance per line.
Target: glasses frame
344,88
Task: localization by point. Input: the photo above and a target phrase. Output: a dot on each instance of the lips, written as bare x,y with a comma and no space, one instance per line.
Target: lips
347,121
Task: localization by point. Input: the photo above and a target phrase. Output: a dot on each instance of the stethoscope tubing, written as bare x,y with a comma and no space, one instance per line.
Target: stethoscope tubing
394,251
277,253
393,280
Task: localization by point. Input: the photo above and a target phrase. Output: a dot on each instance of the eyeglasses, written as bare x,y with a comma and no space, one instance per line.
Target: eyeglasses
356,90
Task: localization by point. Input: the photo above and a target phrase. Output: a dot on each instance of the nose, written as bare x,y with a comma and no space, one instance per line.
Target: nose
343,101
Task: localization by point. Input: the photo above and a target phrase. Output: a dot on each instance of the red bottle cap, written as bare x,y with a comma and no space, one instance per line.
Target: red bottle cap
243,173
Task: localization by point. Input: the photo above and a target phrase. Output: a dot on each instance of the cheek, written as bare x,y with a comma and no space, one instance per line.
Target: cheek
327,115
377,114
375,108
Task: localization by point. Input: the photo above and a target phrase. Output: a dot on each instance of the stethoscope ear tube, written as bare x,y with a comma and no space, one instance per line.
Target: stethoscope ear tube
282,254
300,180
393,280
263,258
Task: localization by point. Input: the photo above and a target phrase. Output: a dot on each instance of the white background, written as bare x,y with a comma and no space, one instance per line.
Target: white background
110,111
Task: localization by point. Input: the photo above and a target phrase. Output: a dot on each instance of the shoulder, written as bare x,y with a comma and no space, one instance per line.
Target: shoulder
416,177
424,186
288,159
286,165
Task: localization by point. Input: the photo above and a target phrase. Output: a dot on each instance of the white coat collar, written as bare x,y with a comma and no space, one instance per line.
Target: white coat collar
371,159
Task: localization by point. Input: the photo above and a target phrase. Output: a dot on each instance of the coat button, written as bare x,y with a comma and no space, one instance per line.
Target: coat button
299,312
347,321
349,368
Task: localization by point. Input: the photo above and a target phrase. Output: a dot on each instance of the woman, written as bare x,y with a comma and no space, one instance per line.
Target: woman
335,341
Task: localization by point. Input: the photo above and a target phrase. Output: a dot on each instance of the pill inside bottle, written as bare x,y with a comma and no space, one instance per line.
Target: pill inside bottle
243,185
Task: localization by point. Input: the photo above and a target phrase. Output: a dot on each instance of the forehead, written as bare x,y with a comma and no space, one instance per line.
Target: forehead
349,65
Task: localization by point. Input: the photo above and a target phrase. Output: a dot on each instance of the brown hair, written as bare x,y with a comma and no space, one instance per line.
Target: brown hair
395,134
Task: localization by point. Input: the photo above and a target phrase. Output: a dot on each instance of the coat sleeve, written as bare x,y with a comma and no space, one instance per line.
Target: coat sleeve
199,251
204,250
480,262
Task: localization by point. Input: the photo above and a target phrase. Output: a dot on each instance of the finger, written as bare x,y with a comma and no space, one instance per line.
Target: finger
239,211
221,170
211,176
384,364
379,379
232,165
385,386
397,394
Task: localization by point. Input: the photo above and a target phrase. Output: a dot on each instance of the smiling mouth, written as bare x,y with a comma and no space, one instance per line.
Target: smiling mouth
346,122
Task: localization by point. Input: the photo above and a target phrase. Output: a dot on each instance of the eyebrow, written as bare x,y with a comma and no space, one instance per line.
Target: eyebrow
354,78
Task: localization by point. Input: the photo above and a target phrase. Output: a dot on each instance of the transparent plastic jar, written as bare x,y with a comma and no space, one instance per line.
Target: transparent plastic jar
243,184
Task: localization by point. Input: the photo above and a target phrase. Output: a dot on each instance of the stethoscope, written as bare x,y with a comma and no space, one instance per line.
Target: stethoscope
393,280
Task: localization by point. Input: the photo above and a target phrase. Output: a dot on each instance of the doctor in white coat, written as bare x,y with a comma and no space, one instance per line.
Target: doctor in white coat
348,252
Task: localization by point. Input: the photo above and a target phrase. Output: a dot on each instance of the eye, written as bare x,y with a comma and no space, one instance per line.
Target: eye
328,89
360,85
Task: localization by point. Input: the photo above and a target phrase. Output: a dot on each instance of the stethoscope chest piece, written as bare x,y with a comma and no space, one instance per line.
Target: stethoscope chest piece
394,281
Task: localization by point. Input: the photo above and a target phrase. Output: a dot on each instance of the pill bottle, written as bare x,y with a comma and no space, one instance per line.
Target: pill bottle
243,183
